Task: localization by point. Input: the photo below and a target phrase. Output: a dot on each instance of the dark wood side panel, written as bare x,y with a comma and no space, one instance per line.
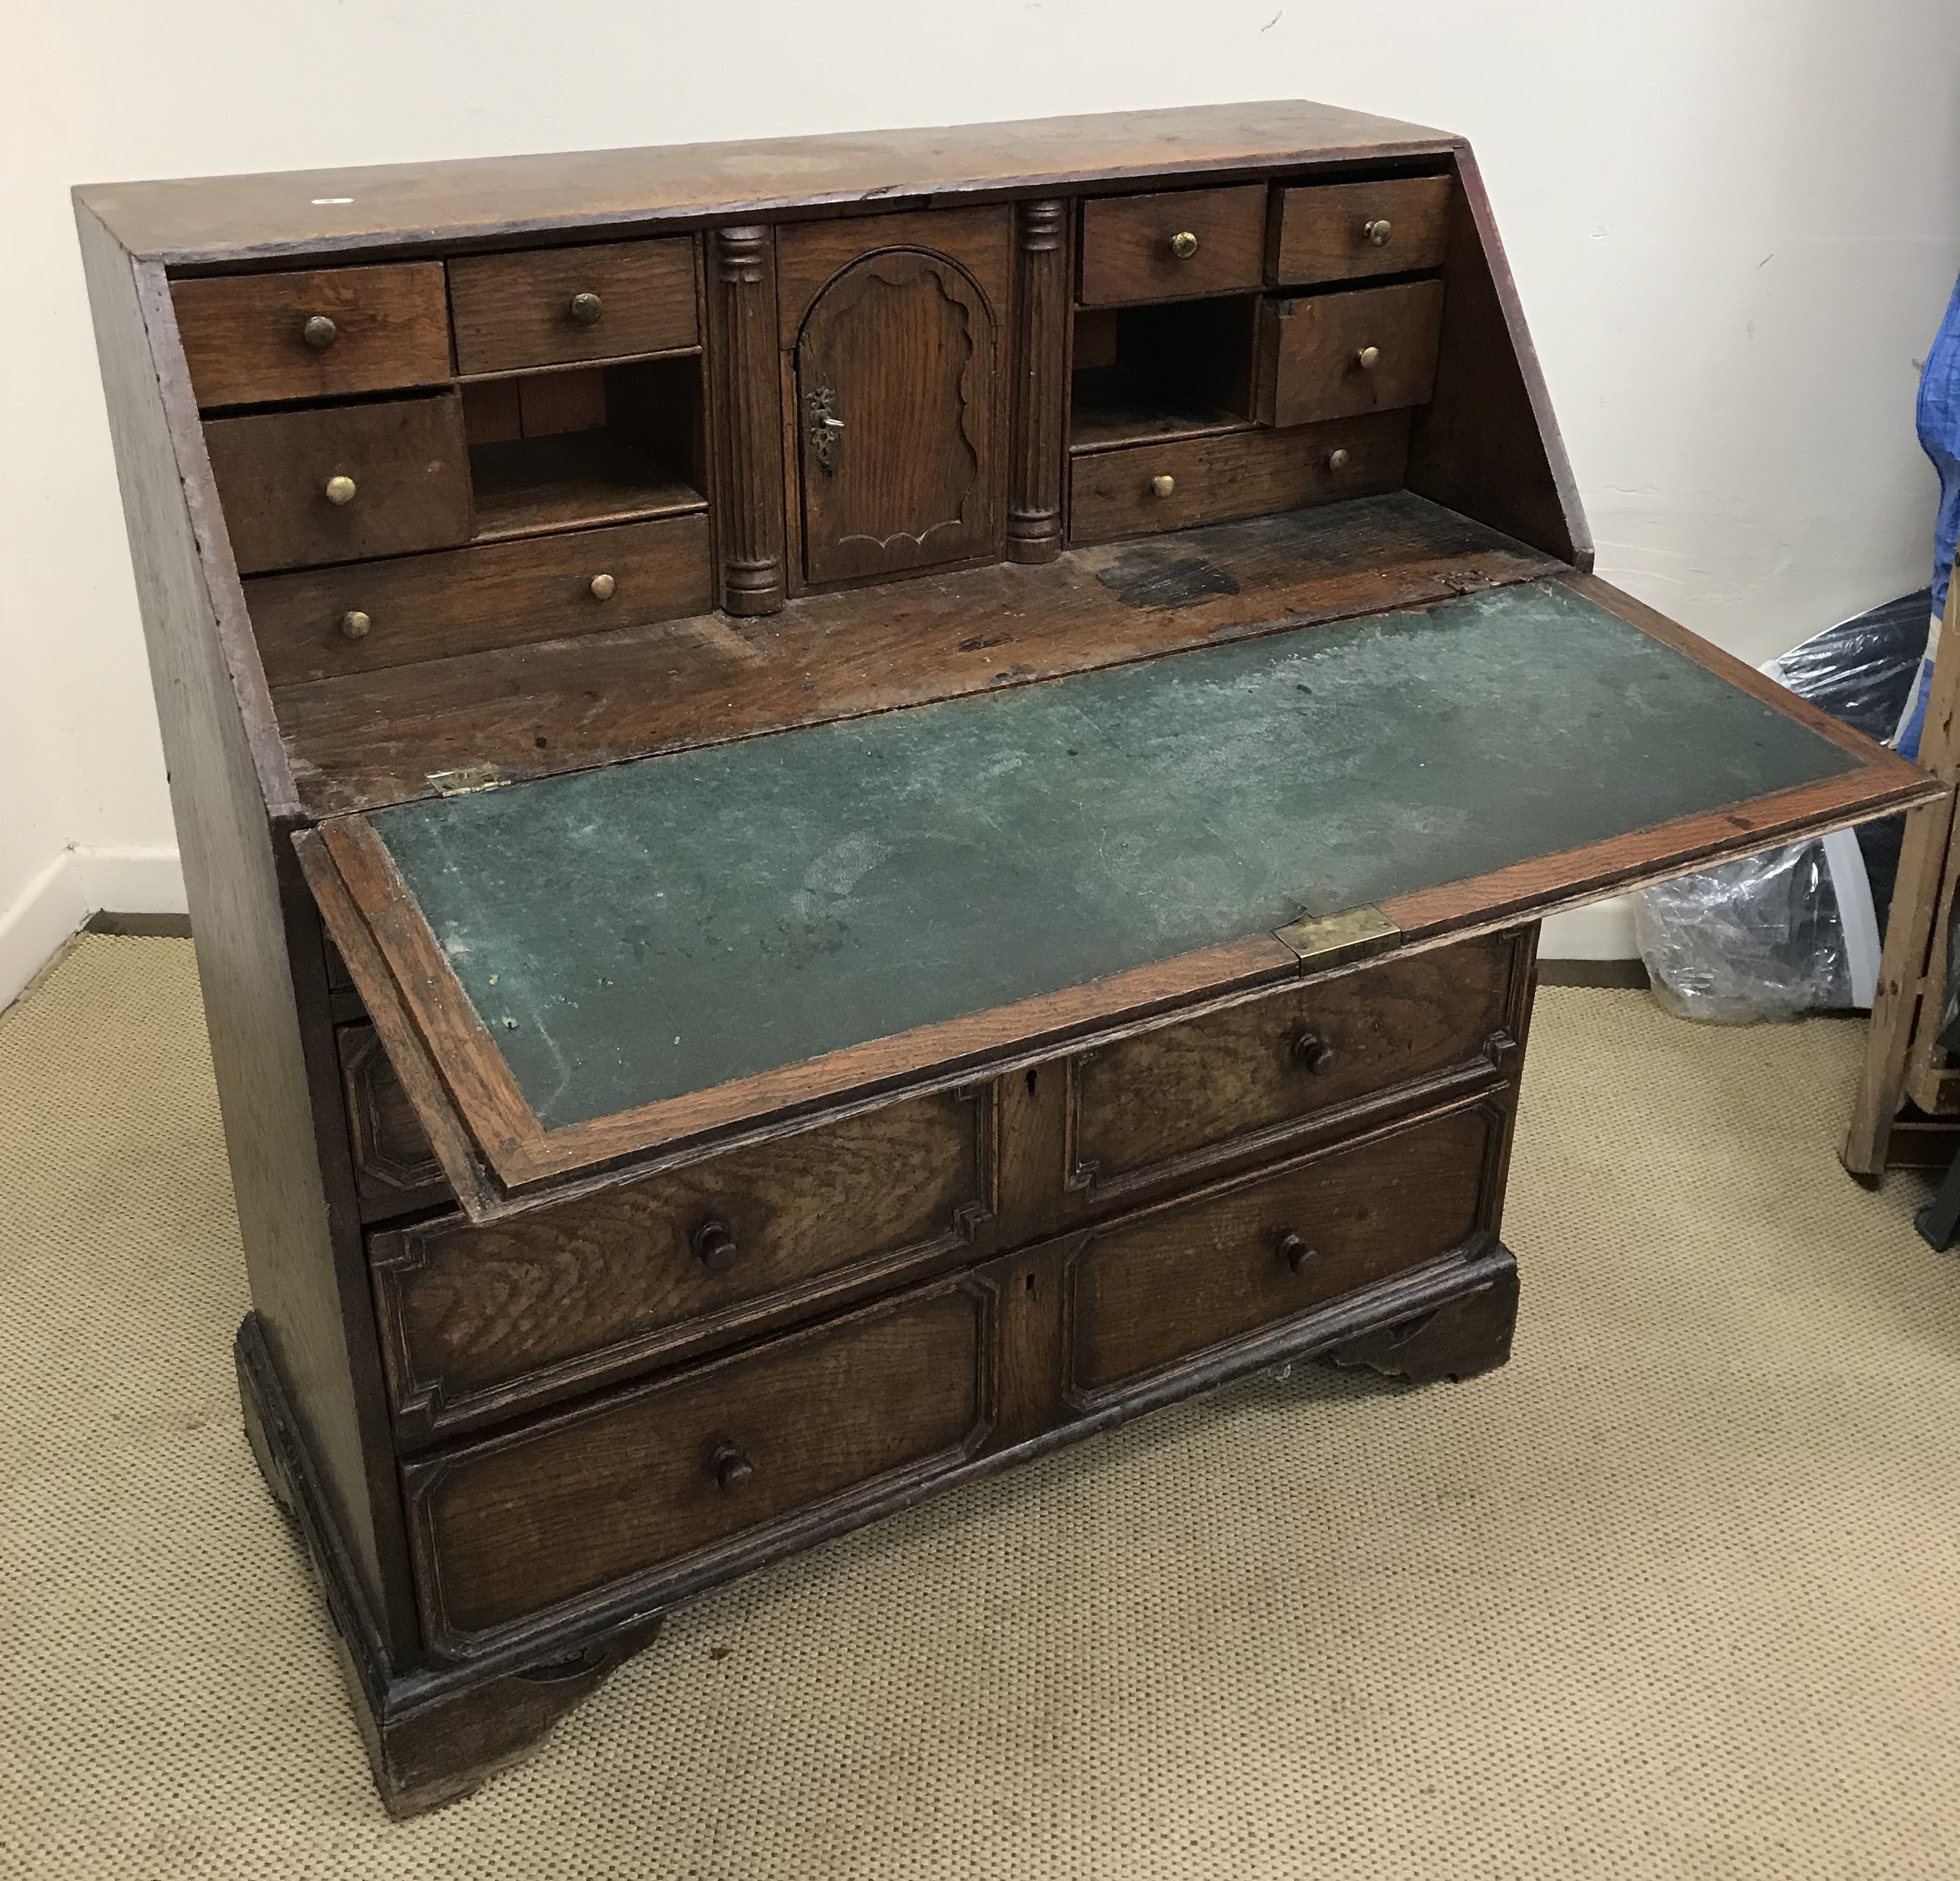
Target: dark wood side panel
477,1321
745,419
1486,443
1150,1290
318,333
516,1526
321,1339
1039,441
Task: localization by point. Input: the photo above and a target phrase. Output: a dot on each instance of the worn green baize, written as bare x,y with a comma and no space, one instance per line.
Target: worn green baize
652,928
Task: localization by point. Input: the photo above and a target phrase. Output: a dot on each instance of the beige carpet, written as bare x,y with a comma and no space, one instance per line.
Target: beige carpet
1673,1594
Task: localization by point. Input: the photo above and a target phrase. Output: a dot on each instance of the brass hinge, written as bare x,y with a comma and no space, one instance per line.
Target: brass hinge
1334,940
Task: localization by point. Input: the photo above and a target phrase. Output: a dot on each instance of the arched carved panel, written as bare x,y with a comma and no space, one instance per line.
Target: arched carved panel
895,419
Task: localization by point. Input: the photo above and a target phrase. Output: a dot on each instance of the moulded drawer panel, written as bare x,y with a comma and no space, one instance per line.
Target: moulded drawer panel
656,1476
554,306
1151,1104
477,1320
314,625
1337,355
1344,231
400,465
253,339
1153,1288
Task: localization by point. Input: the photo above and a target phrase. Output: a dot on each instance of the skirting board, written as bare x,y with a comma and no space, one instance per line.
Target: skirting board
77,884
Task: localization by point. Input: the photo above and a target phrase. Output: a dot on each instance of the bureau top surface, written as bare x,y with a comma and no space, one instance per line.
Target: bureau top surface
482,201
634,933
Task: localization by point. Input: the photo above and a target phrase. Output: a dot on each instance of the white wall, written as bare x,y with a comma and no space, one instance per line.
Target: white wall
1734,226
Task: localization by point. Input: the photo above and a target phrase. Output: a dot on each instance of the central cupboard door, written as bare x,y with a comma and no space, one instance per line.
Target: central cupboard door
896,379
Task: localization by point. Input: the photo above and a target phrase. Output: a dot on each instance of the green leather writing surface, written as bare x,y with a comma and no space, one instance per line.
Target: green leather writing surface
635,932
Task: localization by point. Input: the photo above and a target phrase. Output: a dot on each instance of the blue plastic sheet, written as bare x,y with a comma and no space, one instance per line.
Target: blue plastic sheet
1939,418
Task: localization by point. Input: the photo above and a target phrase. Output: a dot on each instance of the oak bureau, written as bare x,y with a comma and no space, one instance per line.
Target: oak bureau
853,805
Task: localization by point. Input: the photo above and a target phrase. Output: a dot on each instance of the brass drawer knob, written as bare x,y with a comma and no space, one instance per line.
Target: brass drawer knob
604,587
584,308
714,1244
1337,459
1163,486
1184,244
1296,1254
1368,358
319,333
339,491
354,624
730,1468
1314,1054
1378,232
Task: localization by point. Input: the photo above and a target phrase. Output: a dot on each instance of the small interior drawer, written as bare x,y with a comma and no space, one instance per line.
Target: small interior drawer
1178,483
315,623
665,1474
254,339
1345,231
1336,355
553,306
342,483
1159,1103
1172,245
593,1287
1153,1288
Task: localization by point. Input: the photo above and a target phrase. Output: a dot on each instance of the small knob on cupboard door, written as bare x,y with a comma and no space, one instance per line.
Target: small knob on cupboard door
1378,232
585,309
1163,486
714,1243
354,624
731,1468
604,587
1368,358
339,491
1314,1054
319,333
1296,1253
1184,244
1337,460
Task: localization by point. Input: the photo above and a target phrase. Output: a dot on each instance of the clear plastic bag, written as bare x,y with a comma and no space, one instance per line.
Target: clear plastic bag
1759,938
1796,930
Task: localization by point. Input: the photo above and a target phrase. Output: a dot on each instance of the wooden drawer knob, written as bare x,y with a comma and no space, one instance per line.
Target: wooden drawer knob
585,309
339,491
319,332
1368,358
1378,232
1314,1054
714,1243
354,624
604,587
731,1468
1184,244
1296,1254
1337,460
1163,486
